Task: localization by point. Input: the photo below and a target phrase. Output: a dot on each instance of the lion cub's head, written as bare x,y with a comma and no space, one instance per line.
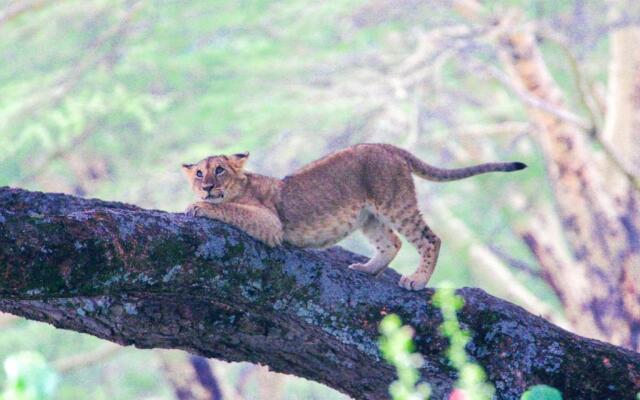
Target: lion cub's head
217,179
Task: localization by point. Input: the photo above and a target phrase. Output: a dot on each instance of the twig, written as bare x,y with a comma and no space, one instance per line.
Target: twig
485,259
76,361
534,101
483,130
492,266
91,58
246,372
513,262
17,8
60,152
584,95
7,320
633,179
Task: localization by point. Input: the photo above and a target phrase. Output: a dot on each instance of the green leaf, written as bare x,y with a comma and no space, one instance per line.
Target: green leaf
28,378
390,324
541,392
397,347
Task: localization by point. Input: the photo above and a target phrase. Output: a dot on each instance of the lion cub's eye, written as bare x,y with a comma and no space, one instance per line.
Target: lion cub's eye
199,174
219,170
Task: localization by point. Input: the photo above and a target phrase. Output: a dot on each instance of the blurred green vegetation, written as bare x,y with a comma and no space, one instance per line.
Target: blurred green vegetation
120,376
398,349
105,98
28,378
472,379
542,392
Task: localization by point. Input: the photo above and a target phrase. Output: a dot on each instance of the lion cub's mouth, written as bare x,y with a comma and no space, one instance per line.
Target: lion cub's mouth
217,196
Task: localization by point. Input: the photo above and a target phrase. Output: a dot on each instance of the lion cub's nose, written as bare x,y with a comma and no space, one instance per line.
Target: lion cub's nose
207,188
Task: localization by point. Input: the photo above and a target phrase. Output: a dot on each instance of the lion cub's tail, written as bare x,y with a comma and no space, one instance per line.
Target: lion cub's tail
432,173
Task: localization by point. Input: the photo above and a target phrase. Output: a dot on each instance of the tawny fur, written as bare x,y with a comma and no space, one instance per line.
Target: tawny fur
366,186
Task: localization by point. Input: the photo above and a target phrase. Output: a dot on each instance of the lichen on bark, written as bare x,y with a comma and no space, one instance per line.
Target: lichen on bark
156,279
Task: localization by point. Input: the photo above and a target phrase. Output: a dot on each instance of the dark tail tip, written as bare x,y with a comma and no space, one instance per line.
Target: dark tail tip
517,166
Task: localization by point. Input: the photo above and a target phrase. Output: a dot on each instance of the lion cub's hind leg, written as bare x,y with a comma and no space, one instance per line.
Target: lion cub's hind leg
428,245
387,245
405,217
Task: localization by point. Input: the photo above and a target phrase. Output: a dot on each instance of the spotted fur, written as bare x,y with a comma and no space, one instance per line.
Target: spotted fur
366,186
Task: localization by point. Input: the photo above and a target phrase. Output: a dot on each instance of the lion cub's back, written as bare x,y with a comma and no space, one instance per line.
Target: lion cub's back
324,201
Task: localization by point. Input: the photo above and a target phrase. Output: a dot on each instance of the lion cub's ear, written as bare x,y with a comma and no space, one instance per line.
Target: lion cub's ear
237,160
186,168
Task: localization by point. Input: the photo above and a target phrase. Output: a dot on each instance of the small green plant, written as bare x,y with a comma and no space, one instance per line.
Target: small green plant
472,380
28,378
541,392
396,344
398,348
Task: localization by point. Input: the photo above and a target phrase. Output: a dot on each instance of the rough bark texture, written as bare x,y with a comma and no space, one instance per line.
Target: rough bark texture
155,279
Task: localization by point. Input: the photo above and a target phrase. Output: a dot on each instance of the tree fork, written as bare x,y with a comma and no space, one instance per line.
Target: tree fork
157,279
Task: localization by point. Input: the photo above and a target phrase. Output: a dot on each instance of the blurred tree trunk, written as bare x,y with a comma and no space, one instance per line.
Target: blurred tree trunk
601,229
598,207
622,129
190,376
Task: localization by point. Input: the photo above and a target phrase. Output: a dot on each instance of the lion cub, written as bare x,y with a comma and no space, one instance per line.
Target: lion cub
367,186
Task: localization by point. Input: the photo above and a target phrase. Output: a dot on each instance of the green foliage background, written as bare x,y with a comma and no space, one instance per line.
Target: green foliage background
105,98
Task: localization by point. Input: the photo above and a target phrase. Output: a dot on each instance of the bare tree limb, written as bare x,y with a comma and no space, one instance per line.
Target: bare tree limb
620,134
16,8
485,262
584,88
531,100
191,377
510,128
155,279
7,319
98,51
513,262
84,359
62,151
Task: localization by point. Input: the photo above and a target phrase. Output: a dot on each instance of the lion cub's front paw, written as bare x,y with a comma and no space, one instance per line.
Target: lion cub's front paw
194,210
191,210
415,281
371,269
273,240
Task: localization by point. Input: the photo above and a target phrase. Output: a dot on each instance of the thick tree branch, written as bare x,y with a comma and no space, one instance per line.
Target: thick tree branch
155,279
